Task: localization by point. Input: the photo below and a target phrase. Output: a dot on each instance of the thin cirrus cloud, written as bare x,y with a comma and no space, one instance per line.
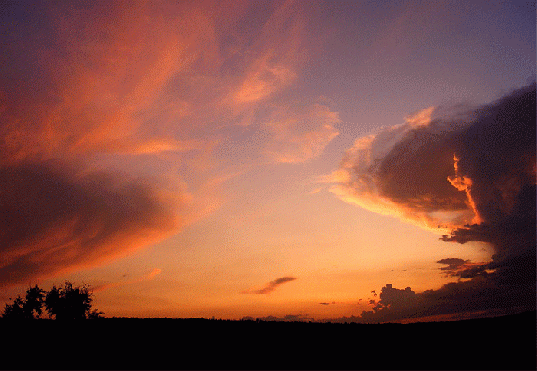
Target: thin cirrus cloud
146,277
477,170
103,79
274,58
265,78
271,286
301,134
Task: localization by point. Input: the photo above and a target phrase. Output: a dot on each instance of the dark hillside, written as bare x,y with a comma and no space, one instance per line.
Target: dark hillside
489,343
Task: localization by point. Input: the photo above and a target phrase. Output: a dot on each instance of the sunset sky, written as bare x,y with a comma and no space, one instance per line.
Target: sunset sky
270,158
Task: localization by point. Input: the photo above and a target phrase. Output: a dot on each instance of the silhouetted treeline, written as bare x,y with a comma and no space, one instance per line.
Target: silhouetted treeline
120,343
61,303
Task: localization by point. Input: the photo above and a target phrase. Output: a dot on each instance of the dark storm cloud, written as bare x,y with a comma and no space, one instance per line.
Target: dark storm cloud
392,300
421,171
479,294
478,168
496,160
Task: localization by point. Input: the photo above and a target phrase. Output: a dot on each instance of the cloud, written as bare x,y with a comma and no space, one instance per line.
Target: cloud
387,173
393,304
496,160
472,171
454,266
114,79
100,81
271,286
147,277
97,74
274,56
55,220
327,303
155,272
89,90
448,167
265,78
391,297
286,318
301,134
161,145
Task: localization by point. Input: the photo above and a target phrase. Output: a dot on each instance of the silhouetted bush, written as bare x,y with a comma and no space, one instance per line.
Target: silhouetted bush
64,302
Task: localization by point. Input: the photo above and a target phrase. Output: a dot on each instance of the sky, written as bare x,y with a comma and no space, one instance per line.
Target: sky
355,160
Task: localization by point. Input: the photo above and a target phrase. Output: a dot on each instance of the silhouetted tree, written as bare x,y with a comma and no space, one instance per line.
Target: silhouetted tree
70,302
33,305
14,311
64,302
95,314
28,308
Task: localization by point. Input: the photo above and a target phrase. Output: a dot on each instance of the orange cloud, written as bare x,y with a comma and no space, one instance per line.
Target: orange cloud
271,63
103,72
115,68
92,89
300,134
265,77
464,184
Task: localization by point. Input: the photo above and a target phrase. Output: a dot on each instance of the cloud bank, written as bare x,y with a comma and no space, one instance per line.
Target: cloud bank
470,172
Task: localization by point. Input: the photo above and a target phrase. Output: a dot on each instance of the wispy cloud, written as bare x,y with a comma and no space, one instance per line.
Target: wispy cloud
146,277
265,78
271,286
299,135
274,56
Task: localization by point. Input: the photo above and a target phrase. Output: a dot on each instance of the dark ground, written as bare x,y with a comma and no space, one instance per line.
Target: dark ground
507,342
